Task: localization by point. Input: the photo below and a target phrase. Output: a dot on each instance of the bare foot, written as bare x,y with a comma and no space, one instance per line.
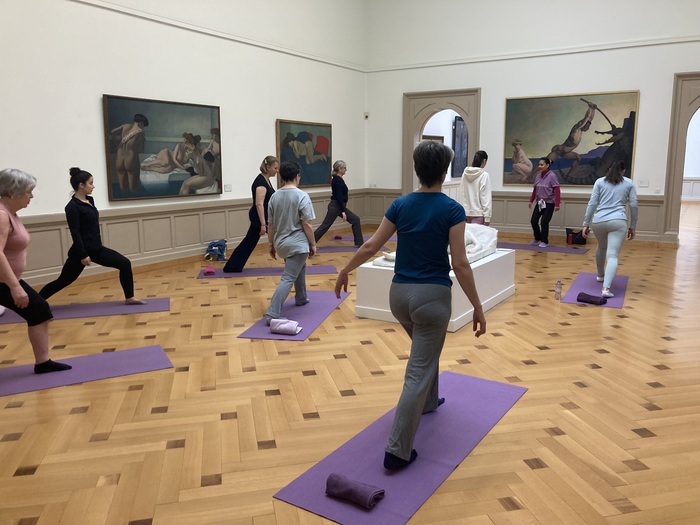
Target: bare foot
134,300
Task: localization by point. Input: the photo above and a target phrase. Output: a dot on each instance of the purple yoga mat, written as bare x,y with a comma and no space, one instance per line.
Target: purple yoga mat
445,437
335,248
351,238
80,310
535,248
309,316
341,248
586,282
273,271
18,379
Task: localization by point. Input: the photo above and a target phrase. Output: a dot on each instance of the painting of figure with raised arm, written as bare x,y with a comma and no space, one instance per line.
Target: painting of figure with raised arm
581,135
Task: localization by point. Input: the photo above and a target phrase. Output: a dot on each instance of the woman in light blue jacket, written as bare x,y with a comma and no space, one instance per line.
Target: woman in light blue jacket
607,216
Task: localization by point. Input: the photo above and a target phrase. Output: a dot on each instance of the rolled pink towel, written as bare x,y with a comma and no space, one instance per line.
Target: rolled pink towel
209,270
361,494
284,326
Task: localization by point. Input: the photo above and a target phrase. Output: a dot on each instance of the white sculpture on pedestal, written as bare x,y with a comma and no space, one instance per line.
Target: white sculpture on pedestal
479,240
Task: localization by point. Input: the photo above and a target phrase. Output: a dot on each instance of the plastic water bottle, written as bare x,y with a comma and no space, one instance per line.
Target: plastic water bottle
557,291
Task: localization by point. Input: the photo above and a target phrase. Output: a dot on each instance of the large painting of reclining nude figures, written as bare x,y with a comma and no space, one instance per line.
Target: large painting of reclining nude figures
583,135
309,144
158,149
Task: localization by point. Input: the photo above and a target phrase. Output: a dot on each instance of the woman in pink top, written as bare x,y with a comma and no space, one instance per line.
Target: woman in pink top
15,193
547,195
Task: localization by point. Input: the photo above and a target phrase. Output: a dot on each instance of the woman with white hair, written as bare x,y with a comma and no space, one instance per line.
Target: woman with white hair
16,189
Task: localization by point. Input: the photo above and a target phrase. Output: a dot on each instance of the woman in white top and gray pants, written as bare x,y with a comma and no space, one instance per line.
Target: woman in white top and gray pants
607,216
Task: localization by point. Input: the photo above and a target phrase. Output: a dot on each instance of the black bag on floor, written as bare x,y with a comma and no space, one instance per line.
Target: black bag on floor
575,236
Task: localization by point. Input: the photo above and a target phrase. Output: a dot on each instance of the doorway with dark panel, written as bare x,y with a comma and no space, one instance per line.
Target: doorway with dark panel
418,108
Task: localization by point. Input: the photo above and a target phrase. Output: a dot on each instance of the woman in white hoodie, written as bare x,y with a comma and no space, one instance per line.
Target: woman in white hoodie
476,190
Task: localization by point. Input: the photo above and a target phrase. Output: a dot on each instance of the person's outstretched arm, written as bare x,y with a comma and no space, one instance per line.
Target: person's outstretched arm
486,200
309,232
532,197
260,193
634,213
368,249
271,239
118,129
73,220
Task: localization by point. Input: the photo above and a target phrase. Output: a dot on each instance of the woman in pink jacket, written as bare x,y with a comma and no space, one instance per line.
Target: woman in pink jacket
547,193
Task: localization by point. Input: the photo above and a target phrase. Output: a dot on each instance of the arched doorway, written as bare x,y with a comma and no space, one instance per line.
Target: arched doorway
686,102
448,128
418,108
691,165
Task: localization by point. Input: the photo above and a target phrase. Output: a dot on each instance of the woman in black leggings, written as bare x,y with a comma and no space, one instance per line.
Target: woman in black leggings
261,190
337,206
84,224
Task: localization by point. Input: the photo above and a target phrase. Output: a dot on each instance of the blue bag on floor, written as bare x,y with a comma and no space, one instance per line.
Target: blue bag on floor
216,251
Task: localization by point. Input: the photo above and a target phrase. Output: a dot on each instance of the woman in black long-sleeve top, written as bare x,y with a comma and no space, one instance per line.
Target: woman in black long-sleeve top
84,225
262,190
337,206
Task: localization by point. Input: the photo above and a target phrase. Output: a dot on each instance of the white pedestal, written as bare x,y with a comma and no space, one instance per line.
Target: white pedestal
494,276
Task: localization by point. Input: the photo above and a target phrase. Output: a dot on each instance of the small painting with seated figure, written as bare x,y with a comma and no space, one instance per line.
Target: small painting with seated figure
158,149
309,144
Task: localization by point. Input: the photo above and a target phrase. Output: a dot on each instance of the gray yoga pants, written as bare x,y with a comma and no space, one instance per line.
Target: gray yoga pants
424,312
610,235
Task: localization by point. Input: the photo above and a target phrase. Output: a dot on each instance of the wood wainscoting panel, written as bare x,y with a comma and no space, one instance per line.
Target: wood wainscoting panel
157,234
214,225
187,229
123,236
47,248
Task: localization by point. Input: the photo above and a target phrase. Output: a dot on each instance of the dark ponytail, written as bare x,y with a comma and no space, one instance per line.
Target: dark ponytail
479,158
78,177
616,173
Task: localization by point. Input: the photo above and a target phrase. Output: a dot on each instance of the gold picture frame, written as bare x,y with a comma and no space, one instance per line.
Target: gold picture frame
582,134
311,145
160,149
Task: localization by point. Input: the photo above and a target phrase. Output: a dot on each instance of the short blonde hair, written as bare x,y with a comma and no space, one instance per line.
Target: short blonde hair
267,162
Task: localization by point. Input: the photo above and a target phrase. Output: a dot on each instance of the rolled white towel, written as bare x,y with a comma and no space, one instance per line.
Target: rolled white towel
284,326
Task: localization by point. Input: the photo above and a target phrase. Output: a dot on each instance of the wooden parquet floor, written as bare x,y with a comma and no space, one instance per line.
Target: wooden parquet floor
608,432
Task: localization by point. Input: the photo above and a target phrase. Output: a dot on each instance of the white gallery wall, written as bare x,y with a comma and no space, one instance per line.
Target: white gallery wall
514,49
60,56
407,32
327,62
